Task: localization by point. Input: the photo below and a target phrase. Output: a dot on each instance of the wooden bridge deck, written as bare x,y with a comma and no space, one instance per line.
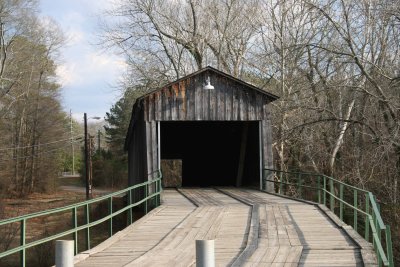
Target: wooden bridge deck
250,228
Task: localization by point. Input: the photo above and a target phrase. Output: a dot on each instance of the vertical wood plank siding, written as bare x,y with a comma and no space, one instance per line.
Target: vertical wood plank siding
188,101
267,145
137,166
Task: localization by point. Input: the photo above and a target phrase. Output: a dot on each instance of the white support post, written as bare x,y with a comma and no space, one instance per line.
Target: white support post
64,253
205,255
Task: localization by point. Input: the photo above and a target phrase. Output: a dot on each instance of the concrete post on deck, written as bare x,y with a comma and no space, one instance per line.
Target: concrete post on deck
64,253
205,255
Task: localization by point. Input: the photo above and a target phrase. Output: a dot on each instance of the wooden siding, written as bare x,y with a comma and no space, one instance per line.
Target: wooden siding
137,167
187,100
266,145
152,148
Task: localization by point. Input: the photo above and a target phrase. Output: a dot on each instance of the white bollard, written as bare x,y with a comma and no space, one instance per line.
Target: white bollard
64,253
205,256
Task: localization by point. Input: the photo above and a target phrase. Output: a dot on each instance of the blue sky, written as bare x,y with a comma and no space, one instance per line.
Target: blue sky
88,74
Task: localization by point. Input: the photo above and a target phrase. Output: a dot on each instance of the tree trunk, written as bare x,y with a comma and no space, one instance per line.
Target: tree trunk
339,140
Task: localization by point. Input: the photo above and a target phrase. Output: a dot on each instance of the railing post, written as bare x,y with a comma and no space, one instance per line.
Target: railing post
389,247
146,189
378,227
160,189
154,190
355,223
87,219
22,242
319,188
75,234
299,191
110,212
280,184
341,202
159,192
130,209
332,199
325,190
366,217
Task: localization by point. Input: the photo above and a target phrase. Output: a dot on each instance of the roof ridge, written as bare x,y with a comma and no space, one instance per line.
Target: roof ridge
208,67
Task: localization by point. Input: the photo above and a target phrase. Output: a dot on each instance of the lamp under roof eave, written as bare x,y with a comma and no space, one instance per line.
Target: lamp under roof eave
208,86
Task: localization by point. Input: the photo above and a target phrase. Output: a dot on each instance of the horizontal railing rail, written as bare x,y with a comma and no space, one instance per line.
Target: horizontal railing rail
150,190
322,188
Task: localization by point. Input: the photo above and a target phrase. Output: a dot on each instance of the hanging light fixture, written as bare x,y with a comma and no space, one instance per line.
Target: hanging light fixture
208,86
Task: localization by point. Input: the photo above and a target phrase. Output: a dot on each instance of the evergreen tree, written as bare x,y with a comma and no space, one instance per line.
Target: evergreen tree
118,120
110,167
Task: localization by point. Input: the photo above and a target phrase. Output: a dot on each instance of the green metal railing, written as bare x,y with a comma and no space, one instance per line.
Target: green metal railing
352,205
147,191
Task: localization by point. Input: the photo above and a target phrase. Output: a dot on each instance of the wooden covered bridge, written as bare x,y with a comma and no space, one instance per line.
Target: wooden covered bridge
210,134
219,136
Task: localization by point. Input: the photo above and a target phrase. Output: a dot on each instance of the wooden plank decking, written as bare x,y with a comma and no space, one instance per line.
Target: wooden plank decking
250,228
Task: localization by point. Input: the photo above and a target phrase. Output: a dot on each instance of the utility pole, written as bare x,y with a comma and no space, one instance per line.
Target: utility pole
98,141
72,144
91,150
86,158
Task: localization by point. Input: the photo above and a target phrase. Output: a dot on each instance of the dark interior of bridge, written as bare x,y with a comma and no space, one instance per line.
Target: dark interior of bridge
210,151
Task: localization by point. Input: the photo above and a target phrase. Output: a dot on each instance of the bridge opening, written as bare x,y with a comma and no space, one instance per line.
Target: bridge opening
213,153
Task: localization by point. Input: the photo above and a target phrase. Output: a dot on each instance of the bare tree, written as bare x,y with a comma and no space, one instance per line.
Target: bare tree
31,113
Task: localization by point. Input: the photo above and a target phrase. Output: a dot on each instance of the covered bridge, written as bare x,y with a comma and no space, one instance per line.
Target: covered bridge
216,126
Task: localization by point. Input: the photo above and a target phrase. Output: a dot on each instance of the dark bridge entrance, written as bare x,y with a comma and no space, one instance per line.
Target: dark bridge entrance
214,153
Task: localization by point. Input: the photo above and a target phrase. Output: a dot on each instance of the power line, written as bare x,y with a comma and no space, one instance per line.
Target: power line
38,145
36,155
